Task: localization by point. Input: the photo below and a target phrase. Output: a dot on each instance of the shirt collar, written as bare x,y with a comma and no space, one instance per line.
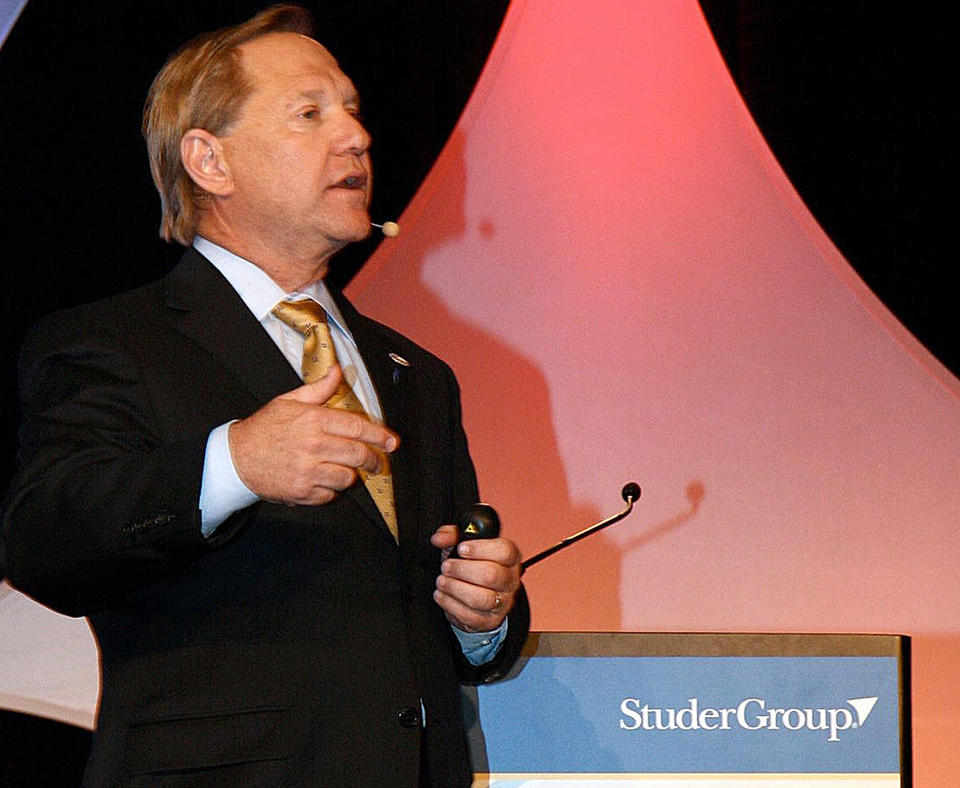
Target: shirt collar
258,291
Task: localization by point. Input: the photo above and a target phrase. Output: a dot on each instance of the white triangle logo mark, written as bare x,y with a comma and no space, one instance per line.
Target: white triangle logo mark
863,707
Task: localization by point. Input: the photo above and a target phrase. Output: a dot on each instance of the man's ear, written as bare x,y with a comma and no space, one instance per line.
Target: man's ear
203,158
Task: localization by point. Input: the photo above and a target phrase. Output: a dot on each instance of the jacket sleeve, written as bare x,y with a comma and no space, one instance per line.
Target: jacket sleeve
466,493
100,504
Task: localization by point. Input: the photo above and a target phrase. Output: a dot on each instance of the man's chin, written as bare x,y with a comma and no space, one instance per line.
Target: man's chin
366,230
347,228
349,232
360,228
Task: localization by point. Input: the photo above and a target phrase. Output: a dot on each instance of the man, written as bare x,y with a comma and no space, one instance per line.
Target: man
264,616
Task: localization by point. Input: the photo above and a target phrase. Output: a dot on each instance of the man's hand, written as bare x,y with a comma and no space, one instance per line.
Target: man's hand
477,590
296,451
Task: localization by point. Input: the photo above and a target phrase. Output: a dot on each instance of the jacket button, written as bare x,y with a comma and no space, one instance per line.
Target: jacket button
409,717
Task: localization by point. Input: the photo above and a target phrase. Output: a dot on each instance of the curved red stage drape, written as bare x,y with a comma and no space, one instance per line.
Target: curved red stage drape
628,288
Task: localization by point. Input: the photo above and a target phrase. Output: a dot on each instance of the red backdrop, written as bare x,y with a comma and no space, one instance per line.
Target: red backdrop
628,288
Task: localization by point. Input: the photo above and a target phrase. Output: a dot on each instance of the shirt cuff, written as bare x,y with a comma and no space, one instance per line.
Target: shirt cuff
221,490
480,647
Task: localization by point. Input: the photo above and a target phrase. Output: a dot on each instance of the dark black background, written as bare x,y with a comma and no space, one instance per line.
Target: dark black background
855,98
858,102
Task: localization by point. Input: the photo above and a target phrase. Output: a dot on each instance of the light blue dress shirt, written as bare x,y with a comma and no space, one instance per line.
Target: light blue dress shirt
222,492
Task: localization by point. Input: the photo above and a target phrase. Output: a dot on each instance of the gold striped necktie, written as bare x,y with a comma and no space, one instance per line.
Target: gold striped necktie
319,354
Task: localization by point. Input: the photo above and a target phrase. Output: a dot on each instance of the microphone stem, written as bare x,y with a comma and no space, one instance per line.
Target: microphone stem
576,537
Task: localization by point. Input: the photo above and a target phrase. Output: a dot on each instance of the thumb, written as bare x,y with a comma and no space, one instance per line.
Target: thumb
317,391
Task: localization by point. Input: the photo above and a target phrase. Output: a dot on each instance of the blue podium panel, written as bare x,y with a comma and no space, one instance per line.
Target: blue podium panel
692,710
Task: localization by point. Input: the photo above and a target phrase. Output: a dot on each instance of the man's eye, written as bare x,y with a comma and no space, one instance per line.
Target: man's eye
309,114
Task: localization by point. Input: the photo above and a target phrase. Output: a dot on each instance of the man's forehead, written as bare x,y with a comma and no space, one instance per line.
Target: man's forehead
290,55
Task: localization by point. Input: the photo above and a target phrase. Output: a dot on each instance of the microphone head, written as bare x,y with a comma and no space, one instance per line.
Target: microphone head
631,492
390,229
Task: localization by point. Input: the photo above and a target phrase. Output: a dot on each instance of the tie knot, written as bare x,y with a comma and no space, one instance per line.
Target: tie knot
302,316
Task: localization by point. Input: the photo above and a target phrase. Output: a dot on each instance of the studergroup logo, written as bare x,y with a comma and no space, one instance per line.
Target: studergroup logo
750,714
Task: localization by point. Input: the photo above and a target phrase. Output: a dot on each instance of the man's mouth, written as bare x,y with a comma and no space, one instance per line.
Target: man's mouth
355,181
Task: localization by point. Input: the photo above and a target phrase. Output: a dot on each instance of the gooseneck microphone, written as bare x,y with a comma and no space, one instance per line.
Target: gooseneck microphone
389,229
481,522
630,493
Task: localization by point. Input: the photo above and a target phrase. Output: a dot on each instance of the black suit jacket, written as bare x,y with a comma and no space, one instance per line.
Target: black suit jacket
293,648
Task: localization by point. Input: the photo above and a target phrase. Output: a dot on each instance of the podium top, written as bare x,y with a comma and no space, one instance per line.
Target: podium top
713,644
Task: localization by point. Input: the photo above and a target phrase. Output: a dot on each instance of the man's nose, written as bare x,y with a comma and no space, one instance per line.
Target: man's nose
353,138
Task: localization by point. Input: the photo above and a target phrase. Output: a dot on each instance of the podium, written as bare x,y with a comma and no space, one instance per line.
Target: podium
696,710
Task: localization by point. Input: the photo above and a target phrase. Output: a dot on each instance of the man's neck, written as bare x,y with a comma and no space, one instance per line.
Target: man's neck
289,269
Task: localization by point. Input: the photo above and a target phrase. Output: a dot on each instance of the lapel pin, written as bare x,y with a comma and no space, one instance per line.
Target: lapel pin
400,361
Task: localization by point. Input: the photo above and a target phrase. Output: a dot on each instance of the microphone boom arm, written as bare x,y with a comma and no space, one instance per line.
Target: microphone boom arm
630,493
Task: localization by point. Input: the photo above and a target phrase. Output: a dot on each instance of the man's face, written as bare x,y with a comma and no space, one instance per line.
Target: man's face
298,154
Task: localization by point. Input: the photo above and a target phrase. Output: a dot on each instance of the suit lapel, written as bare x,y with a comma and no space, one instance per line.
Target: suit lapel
207,309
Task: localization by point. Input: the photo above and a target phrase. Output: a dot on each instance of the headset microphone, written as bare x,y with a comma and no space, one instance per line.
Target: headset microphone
389,229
